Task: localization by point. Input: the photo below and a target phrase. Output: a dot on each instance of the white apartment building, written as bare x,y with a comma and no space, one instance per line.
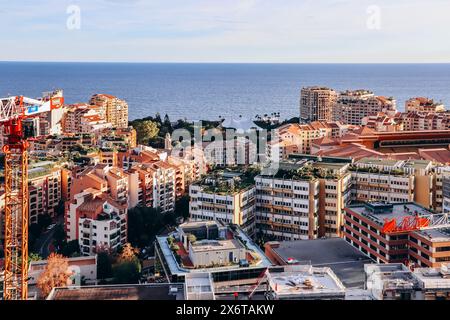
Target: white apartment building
105,228
241,151
224,198
304,200
164,193
382,180
287,207
95,220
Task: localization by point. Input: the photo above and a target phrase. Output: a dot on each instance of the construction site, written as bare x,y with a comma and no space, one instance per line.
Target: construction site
13,113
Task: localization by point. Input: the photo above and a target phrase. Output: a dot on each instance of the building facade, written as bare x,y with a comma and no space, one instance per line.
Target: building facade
352,106
113,109
316,104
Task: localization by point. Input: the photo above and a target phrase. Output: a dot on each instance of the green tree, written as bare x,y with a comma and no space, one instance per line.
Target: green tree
60,208
70,249
192,238
104,265
146,130
182,207
158,118
34,257
143,225
126,272
167,125
59,236
44,220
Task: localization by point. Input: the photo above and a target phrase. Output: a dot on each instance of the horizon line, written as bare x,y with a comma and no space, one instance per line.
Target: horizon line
212,62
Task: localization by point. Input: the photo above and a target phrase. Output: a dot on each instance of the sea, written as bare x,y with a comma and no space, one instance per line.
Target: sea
208,91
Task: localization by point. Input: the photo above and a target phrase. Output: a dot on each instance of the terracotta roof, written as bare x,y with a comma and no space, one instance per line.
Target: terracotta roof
326,141
353,150
92,205
440,155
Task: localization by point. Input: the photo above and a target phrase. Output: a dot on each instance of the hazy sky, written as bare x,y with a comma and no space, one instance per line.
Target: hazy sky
226,30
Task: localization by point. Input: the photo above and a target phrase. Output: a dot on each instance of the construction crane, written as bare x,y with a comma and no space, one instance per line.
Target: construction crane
13,111
259,281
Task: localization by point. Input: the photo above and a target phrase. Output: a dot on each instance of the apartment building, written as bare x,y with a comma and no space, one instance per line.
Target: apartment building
156,185
381,180
352,106
408,121
179,260
297,138
108,156
240,151
365,229
118,137
422,104
107,179
393,181
185,174
83,118
50,122
382,122
420,121
93,124
224,196
44,189
316,104
114,110
287,207
69,142
96,221
303,200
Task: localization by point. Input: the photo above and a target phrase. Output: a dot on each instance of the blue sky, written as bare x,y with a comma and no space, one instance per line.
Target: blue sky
227,31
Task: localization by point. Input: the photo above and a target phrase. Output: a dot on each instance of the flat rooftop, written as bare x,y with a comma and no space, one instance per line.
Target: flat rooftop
214,245
305,282
379,162
200,224
436,235
346,261
376,213
390,276
387,268
433,278
177,269
119,292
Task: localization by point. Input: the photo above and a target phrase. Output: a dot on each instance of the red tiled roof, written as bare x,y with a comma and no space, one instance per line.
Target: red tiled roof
440,155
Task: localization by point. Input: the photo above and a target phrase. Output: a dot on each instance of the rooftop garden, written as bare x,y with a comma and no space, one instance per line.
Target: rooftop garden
393,172
223,181
181,254
307,172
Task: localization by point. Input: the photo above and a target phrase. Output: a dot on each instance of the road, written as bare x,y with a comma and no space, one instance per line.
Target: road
45,240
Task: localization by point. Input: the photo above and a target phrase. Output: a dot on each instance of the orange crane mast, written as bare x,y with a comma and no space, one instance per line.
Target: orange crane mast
13,111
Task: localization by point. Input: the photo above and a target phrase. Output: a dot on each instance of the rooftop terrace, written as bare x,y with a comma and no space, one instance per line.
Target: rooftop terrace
176,266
